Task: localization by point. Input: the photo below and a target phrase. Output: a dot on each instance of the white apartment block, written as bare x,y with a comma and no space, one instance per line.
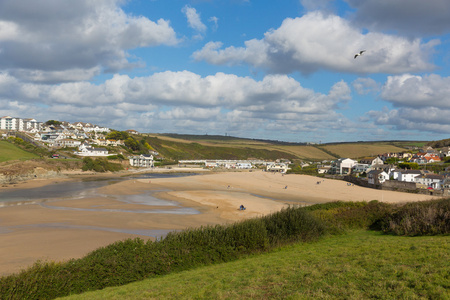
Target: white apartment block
18,124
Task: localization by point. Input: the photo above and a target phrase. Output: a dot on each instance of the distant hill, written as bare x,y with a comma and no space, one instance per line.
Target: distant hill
184,146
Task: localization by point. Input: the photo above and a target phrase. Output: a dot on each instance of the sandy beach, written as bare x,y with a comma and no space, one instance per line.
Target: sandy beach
65,228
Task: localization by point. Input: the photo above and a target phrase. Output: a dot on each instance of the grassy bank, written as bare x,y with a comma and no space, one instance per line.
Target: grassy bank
357,265
9,151
133,260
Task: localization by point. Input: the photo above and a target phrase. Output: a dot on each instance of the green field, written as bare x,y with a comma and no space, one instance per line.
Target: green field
357,265
9,151
184,144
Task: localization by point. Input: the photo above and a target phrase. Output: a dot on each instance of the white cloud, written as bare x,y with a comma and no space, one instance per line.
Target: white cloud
422,103
316,41
418,91
193,19
183,102
47,39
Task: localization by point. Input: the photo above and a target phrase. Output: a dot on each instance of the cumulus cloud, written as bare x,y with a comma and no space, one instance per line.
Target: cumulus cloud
422,103
417,91
184,101
316,41
409,17
47,40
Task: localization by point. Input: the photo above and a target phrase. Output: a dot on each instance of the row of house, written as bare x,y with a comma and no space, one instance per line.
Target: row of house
378,173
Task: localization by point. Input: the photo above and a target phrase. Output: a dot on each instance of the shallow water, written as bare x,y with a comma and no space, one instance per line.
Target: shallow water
72,189
88,188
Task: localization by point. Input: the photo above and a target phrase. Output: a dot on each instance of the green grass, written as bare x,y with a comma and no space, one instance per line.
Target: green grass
9,151
358,265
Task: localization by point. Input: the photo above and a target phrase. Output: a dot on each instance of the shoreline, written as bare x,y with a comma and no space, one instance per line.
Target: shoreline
72,227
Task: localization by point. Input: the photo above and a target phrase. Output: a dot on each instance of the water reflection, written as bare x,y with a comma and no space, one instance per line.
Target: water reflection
74,189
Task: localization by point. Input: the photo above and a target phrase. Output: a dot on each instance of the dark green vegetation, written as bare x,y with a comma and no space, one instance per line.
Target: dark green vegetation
100,165
292,228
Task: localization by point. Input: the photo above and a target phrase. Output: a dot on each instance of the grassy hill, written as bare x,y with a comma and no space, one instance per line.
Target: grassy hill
9,152
358,265
177,146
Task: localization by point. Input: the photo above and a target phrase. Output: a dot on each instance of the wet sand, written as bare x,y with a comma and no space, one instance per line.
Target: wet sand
62,229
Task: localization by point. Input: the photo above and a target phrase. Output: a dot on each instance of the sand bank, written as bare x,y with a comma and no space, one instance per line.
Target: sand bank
60,229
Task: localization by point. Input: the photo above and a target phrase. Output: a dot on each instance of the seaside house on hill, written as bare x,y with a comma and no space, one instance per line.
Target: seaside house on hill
87,150
142,161
408,175
434,181
343,166
376,177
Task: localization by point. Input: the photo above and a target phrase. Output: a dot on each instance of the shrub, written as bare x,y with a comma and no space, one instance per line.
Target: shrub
100,165
340,216
292,225
419,218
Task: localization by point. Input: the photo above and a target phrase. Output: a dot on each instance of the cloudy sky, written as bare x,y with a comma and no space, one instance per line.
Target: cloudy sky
281,70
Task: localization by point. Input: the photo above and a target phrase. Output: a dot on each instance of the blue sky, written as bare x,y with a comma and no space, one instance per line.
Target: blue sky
281,70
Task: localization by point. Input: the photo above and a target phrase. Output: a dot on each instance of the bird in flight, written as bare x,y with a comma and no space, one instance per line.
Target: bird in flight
360,53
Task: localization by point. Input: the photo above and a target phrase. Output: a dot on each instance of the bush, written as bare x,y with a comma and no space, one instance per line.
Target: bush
419,218
100,165
340,216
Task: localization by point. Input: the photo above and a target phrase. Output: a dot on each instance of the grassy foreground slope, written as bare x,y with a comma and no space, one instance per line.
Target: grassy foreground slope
357,265
9,152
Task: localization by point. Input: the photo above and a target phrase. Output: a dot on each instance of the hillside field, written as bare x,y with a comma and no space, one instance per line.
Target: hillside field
9,152
292,150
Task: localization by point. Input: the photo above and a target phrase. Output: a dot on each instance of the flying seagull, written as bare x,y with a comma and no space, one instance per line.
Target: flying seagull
360,53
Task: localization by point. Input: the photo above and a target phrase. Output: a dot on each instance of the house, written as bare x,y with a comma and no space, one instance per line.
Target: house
444,152
277,167
434,181
142,161
87,150
67,143
343,166
243,165
360,168
408,175
377,177
323,169
132,131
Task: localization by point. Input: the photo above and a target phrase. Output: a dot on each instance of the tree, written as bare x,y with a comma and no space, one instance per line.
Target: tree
117,135
132,144
53,123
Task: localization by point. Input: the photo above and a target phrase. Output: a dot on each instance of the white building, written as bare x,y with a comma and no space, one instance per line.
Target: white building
408,175
86,150
18,124
143,161
343,166
434,181
277,167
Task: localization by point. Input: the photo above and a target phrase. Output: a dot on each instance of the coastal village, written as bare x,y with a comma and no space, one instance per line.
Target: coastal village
382,171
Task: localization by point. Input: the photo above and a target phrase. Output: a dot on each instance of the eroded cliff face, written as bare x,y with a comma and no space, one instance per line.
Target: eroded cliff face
16,171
